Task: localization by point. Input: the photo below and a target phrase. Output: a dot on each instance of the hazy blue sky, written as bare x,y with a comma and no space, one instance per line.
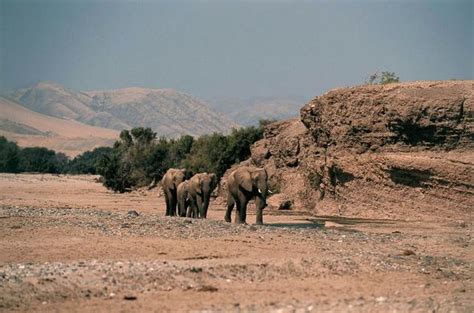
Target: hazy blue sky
229,48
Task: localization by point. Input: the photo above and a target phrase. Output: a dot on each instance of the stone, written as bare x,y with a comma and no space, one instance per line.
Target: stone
132,213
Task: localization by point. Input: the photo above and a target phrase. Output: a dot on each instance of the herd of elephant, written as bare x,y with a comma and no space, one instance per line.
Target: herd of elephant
192,196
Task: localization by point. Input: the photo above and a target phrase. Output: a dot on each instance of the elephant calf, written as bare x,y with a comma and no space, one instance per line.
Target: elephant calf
183,198
243,184
199,188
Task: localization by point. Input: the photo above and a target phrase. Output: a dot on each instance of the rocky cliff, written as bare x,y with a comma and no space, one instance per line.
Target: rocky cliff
378,151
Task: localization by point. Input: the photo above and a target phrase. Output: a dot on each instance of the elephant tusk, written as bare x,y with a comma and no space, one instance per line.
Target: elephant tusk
269,191
259,191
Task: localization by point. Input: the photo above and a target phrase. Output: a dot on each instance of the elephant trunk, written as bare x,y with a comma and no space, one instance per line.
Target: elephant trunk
205,204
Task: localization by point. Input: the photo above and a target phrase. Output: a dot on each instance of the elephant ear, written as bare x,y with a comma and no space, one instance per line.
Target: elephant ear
213,183
244,179
197,185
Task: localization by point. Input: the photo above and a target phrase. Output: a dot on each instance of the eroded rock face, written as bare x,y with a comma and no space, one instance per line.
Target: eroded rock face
392,151
421,114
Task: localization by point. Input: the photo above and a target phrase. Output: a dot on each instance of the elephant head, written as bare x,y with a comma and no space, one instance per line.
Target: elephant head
200,188
254,181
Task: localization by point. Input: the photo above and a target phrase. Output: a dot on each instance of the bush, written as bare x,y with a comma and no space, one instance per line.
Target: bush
42,160
382,78
86,163
388,78
9,156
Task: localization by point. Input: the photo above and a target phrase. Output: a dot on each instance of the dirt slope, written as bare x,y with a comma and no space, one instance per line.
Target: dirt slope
29,128
395,151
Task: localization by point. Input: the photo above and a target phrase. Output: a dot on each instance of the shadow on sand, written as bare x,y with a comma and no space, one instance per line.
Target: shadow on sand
343,222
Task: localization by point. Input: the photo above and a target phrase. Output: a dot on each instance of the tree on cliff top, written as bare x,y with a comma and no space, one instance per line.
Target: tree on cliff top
383,78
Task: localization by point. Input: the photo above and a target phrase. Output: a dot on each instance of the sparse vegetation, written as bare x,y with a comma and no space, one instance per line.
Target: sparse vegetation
389,77
382,78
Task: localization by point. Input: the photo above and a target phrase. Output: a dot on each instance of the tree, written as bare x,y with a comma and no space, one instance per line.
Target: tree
42,160
86,163
9,156
382,78
389,77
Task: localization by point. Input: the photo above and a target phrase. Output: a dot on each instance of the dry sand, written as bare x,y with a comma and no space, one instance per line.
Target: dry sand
68,244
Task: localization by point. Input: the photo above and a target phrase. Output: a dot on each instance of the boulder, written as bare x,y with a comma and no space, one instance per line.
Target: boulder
280,201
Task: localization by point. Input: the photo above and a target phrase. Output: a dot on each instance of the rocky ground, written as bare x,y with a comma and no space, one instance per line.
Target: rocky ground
68,244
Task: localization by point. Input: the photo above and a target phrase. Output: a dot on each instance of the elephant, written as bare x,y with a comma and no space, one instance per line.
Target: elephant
200,187
243,184
183,198
170,182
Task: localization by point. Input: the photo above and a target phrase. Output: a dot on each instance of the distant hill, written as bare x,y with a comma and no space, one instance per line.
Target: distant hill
55,100
248,111
168,112
29,128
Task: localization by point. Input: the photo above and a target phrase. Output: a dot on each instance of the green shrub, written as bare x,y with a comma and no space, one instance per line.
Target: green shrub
86,163
388,78
42,160
9,156
383,78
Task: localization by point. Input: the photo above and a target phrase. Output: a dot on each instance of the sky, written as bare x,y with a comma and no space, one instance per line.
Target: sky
232,48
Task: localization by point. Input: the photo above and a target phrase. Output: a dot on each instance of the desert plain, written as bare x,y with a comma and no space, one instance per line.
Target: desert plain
69,244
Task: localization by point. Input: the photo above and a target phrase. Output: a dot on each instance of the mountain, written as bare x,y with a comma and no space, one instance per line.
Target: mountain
168,112
248,111
55,100
29,128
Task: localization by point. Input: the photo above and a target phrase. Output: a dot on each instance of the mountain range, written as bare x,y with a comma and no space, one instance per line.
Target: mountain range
249,111
48,114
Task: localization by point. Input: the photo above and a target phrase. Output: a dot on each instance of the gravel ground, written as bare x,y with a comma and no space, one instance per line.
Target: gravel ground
67,258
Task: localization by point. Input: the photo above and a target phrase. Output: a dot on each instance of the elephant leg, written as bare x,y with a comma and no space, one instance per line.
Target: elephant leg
199,202
180,206
259,206
242,208
205,207
243,213
185,208
167,200
193,208
174,202
189,211
230,206
237,210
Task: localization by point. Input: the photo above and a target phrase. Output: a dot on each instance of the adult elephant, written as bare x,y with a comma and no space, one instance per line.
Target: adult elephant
244,184
170,182
200,187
